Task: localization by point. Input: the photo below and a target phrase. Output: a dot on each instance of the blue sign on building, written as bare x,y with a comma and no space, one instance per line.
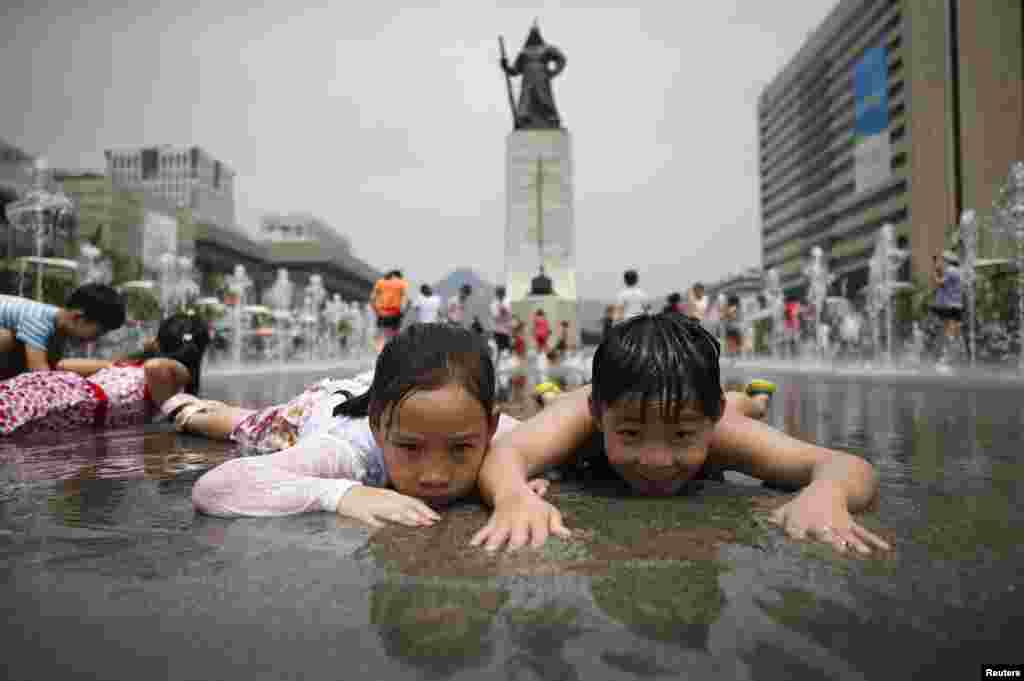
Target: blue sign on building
872,155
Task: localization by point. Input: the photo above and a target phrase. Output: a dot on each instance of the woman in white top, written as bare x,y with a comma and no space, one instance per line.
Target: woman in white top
428,305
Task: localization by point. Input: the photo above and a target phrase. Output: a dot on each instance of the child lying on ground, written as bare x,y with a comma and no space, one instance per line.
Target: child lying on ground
656,414
409,445
104,393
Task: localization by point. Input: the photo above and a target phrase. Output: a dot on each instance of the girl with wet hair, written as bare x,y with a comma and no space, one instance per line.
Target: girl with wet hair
410,444
656,416
105,393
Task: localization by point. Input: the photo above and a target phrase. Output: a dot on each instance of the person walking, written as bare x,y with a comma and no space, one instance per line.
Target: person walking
948,305
428,305
389,300
456,310
696,302
632,300
501,322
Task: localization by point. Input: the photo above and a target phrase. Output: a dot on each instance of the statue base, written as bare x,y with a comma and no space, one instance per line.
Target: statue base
557,309
538,169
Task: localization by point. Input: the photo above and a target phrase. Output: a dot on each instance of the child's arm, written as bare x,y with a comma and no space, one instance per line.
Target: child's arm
834,483
36,359
547,439
82,367
321,473
165,377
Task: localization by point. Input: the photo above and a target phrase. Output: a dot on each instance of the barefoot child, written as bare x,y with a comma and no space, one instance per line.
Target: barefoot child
412,442
95,392
656,415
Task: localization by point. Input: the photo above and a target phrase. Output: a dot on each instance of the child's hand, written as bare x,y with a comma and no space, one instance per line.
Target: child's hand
373,505
525,518
820,512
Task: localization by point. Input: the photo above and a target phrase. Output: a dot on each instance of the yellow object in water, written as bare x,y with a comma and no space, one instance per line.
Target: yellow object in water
760,386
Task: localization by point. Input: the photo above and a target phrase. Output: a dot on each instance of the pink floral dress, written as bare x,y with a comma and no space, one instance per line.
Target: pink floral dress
278,427
114,397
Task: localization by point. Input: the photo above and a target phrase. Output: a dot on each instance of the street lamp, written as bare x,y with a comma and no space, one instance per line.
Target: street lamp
43,214
1009,219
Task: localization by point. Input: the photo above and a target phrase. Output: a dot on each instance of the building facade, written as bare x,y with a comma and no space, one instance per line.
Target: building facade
899,111
187,177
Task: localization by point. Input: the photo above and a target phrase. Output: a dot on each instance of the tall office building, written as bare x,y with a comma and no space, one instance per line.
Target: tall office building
901,111
188,177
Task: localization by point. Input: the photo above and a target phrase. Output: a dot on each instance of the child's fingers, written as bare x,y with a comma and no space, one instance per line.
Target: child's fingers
423,510
556,526
539,534
870,538
519,536
482,534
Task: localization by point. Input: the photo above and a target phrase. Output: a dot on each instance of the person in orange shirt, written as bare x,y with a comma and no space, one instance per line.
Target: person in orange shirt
389,300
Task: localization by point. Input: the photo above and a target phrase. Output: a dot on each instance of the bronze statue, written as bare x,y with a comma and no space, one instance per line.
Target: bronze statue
536,107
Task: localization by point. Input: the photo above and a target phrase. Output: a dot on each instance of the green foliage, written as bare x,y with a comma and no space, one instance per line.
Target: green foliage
762,336
993,295
142,305
124,267
912,304
262,319
211,313
57,283
213,282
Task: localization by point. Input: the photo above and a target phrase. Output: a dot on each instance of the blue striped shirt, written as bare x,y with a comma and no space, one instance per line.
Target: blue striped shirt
32,323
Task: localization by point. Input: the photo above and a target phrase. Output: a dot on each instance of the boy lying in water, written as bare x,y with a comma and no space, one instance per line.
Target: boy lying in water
655,413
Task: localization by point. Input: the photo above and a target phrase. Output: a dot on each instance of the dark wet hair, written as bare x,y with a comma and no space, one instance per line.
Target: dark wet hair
184,338
99,303
630,277
668,358
499,293
426,290
425,357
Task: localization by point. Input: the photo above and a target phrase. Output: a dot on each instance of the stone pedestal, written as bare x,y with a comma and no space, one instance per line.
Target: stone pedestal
556,309
539,226
543,213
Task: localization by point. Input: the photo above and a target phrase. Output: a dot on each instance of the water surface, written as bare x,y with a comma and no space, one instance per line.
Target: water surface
109,573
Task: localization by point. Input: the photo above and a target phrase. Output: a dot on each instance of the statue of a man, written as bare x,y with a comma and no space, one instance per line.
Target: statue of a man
538,63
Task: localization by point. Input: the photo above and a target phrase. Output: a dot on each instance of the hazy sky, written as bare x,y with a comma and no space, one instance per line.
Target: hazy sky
389,120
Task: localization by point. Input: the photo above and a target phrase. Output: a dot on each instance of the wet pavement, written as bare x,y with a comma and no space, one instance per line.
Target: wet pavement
108,573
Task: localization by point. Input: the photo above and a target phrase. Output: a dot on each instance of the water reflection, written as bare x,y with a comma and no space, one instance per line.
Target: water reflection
439,627
539,637
673,602
120,455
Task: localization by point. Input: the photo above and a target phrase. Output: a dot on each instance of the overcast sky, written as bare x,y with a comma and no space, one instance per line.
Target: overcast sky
389,121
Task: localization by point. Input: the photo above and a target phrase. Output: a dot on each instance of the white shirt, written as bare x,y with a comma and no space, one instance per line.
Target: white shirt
456,310
634,301
501,317
427,308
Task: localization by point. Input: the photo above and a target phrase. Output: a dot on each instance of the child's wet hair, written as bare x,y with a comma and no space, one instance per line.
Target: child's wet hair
667,358
99,303
183,337
425,357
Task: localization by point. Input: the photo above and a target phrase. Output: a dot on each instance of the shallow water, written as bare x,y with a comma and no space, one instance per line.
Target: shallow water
108,572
